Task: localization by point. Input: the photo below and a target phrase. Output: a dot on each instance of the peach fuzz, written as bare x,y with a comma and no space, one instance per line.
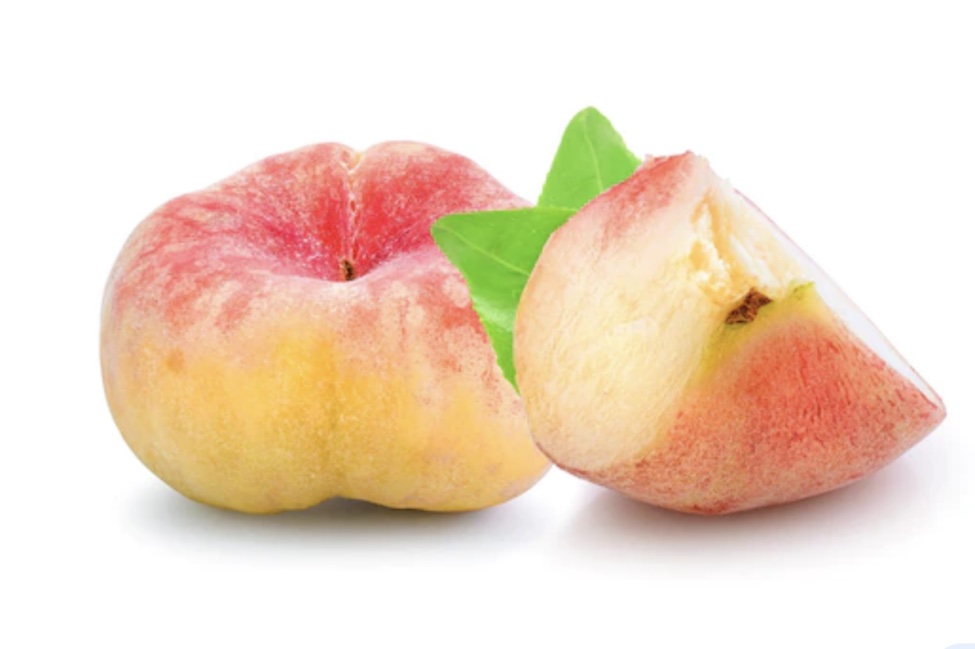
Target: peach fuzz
292,333
672,344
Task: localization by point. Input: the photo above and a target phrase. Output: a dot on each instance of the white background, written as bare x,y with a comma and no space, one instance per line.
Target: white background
851,125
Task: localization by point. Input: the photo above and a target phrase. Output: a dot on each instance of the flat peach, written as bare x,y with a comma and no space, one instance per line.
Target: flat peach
292,334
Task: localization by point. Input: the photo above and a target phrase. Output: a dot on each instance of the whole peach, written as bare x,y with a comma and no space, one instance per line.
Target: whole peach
292,333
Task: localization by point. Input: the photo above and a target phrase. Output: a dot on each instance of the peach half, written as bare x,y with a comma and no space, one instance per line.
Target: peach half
293,333
672,344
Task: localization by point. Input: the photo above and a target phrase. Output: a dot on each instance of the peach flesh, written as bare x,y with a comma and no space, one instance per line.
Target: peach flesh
292,333
708,366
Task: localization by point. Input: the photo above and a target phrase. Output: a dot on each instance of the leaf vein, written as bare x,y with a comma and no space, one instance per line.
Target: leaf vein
595,158
486,253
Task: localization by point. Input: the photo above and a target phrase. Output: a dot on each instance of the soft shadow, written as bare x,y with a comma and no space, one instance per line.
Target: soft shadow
158,514
849,524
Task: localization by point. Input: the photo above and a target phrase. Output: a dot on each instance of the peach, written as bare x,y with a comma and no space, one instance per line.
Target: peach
671,343
292,334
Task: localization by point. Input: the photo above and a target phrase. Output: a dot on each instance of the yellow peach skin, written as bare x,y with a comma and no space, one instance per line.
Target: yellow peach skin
292,334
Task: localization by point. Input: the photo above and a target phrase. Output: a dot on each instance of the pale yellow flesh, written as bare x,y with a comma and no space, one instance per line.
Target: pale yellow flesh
645,308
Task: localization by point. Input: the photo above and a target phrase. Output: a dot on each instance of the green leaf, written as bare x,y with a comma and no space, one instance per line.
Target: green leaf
591,158
495,252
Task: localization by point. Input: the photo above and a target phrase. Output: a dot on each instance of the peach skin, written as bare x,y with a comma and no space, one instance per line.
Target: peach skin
292,333
672,344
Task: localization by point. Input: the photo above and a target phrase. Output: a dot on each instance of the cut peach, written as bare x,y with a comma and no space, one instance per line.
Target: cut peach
673,344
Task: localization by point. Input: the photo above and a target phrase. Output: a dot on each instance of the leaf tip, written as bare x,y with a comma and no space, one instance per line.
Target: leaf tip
588,112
